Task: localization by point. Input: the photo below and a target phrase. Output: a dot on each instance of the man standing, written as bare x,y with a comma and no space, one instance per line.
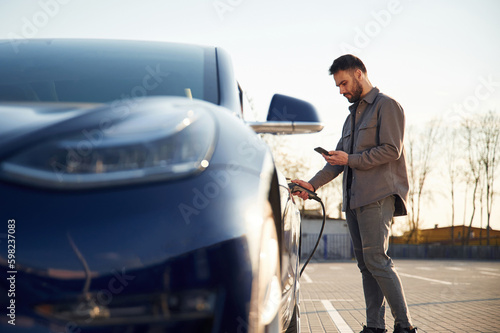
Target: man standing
371,156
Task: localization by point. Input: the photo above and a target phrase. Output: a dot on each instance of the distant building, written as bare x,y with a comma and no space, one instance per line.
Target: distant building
449,236
335,243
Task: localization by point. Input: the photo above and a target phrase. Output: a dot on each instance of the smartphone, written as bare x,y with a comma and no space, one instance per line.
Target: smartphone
322,150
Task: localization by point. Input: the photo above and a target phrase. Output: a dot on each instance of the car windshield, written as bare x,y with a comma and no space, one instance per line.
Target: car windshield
97,71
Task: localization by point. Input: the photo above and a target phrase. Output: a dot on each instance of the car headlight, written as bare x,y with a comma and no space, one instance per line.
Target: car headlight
159,141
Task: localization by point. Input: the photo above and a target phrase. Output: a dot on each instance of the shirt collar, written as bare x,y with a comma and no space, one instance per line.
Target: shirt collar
369,98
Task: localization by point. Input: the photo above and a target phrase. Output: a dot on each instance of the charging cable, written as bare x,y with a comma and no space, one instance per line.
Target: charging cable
312,195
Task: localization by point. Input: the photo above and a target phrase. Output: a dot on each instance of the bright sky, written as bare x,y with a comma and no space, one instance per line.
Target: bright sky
438,57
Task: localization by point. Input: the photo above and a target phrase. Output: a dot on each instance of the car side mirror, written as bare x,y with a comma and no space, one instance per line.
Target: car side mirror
288,115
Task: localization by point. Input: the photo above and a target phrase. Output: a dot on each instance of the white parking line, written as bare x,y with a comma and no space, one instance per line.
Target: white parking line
424,278
425,268
329,300
306,278
455,268
336,317
480,268
490,273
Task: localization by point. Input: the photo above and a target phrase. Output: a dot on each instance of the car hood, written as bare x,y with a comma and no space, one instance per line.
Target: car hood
20,120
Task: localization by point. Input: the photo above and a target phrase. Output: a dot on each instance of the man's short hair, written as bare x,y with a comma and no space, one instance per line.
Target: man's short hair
347,62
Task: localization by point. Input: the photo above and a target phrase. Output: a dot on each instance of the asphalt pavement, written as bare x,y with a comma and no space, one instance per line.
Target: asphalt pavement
443,296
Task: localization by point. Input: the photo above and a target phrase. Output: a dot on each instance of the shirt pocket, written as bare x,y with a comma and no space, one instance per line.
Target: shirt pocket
367,135
346,140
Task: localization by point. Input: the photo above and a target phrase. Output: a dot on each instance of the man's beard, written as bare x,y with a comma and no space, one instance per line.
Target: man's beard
357,91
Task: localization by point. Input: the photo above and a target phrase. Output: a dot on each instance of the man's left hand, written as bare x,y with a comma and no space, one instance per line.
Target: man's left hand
336,157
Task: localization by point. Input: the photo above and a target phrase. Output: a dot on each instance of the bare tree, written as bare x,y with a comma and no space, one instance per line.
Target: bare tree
331,195
299,166
412,178
473,174
419,166
290,164
452,157
483,138
488,145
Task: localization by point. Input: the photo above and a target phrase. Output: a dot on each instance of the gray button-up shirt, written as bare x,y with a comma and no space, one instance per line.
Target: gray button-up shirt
378,158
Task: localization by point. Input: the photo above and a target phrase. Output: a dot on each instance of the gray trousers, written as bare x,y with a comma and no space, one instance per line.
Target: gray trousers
369,227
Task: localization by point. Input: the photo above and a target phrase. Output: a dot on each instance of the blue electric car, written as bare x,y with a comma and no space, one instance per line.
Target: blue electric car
135,197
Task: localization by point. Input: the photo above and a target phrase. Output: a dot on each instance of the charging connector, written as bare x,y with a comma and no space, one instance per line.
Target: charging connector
296,188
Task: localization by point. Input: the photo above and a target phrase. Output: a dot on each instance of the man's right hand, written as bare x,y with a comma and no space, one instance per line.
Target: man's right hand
301,194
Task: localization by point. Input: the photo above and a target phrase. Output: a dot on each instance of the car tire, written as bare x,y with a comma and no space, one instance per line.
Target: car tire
294,326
